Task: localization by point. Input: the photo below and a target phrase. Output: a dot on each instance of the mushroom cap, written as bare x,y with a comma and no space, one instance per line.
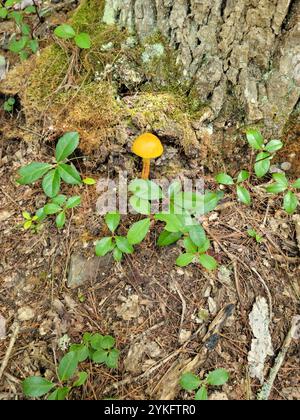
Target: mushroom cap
147,146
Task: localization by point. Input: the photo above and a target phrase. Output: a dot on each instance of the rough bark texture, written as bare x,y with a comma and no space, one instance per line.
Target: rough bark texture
243,54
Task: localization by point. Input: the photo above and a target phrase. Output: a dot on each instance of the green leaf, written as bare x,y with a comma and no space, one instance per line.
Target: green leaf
189,245
59,200
255,139
118,255
51,183
96,341
104,246
30,10
290,202
140,206
27,225
17,46
224,179
81,380
168,238
100,356
67,366
112,359
201,394
59,394
3,13
73,202
208,262
243,195
25,28
113,220
296,184
262,164
108,342
33,44
274,146
218,377
138,231
147,190
35,386
89,181
52,208
189,381
83,40
60,220
81,351
174,222
210,202
124,245
26,215
185,259
41,214
64,31
243,176
66,145
197,235
33,172
69,174
205,247
174,189
280,185
23,55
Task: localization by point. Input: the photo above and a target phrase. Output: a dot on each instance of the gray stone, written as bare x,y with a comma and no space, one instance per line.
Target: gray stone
84,271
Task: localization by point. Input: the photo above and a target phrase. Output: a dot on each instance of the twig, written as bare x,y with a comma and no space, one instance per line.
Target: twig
177,288
266,390
16,329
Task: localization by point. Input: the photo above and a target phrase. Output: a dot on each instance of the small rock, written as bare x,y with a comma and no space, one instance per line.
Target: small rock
286,166
25,313
83,270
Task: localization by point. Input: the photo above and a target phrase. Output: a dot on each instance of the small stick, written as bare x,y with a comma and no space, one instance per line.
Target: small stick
16,329
266,390
267,290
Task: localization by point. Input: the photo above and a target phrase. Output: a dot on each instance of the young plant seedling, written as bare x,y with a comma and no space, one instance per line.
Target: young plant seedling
34,223
59,206
265,151
196,245
9,104
120,245
190,382
242,192
53,173
67,32
253,234
283,185
24,43
95,347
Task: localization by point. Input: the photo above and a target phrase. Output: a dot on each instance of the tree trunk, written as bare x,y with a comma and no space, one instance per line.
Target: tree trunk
241,55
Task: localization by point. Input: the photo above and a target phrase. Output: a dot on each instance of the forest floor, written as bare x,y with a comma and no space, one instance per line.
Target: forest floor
160,314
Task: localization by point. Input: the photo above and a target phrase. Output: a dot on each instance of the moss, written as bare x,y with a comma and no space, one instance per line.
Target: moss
86,16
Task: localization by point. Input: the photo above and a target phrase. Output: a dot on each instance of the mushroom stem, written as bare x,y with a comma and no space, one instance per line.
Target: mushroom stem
146,169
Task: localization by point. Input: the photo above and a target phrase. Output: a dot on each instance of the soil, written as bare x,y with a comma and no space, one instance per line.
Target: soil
159,314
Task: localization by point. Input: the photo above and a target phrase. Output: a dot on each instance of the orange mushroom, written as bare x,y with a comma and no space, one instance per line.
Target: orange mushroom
147,146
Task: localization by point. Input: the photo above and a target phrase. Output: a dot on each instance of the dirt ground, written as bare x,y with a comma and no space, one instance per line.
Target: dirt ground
152,307
161,315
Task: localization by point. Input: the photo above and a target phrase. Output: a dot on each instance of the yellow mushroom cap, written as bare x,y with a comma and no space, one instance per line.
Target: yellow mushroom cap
147,146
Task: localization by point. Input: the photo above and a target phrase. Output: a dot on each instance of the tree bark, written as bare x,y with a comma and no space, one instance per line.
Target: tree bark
236,54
